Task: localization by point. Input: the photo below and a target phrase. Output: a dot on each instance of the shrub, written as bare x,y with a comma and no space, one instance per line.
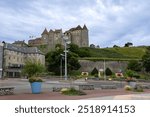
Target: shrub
94,71
128,88
129,73
134,65
108,72
72,91
64,89
138,88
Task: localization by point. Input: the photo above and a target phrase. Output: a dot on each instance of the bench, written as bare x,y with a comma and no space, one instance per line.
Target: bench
108,87
6,90
145,86
86,87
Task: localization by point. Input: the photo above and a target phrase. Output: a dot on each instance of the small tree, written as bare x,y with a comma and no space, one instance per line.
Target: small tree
108,72
94,71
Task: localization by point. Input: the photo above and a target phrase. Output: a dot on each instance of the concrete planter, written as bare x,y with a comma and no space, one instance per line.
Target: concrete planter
132,84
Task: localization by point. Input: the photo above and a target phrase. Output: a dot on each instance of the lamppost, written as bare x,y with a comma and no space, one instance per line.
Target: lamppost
66,41
104,70
61,58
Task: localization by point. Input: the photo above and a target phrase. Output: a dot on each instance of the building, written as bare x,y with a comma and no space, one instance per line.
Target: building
77,35
20,43
1,60
16,56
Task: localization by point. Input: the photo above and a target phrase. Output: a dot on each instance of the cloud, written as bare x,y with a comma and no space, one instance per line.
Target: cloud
109,21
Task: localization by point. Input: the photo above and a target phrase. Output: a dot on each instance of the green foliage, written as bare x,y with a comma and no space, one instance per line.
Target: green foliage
146,60
33,68
134,65
94,71
115,46
84,52
138,88
74,48
43,48
128,88
81,52
73,63
130,73
108,72
128,44
31,80
72,91
54,58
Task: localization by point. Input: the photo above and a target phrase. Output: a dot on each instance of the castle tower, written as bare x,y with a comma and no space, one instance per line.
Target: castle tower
55,37
58,36
45,36
76,35
51,45
85,39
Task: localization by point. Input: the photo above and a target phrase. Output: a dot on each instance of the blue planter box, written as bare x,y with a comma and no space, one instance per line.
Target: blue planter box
36,87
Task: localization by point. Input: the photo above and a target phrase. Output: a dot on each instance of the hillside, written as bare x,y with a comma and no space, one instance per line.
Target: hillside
124,53
120,53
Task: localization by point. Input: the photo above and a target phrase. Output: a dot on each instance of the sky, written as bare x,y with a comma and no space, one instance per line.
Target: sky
110,22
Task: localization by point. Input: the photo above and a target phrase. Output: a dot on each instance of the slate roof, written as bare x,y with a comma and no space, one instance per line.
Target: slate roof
26,50
78,28
45,32
84,27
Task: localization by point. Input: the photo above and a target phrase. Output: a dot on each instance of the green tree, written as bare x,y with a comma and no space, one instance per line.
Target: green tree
94,71
146,60
32,68
74,48
84,52
108,72
128,44
53,60
81,52
134,65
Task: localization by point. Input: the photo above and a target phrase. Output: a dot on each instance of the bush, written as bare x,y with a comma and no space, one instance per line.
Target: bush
108,72
138,88
94,71
72,91
134,65
128,88
130,73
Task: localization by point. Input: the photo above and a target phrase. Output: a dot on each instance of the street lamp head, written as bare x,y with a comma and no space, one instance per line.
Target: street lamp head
68,42
62,55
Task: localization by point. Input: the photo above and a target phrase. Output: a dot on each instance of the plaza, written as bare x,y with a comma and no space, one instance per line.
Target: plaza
23,92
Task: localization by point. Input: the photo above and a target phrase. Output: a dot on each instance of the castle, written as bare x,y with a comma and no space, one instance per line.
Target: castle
77,35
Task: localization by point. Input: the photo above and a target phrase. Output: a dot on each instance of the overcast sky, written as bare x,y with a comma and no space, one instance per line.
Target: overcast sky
109,21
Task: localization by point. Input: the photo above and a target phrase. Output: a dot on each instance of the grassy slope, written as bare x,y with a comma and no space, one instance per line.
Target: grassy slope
116,53
122,53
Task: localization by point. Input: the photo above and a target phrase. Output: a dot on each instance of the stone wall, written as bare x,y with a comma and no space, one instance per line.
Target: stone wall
115,66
